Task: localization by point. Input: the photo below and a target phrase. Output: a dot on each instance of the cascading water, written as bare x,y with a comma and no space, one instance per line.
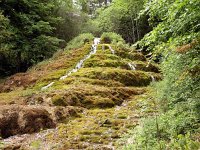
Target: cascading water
152,78
79,64
132,66
112,50
49,85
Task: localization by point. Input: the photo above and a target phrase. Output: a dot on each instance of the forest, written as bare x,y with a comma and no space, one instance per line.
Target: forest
100,74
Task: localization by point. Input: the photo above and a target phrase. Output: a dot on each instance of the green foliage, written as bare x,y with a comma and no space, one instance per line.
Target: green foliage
111,37
32,31
91,26
5,37
176,37
80,40
121,17
147,138
171,19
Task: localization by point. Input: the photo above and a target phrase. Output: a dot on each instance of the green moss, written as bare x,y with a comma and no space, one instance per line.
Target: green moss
58,100
97,101
104,63
126,77
81,80
152,67
131,56
60,66
53,76
80,40
122,116
36,144
103,56
98,90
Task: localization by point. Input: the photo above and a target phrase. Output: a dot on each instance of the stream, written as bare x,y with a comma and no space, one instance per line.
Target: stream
79,65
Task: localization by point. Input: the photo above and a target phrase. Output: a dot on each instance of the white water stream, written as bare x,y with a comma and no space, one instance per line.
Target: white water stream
152,78
79,64
132,66
112,50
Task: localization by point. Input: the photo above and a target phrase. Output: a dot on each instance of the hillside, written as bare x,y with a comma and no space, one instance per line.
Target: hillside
84,98
136,87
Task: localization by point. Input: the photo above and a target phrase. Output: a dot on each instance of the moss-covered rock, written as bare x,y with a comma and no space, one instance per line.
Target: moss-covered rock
144,66
58,100
126,77
91,96
82,80
105,63
131,56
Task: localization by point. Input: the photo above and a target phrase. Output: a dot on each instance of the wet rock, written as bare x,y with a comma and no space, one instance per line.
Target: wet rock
16,119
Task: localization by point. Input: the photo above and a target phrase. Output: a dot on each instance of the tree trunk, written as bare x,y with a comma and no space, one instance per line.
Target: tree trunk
133,29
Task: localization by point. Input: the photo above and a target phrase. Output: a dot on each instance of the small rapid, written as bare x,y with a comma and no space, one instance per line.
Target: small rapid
152,78
79,65
132,66
112,50
47,86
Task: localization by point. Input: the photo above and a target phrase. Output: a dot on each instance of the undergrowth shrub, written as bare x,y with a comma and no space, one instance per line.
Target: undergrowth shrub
176,38
177,102
79,41
111,37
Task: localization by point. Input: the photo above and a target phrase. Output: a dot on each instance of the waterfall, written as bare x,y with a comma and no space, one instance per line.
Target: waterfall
152,78
79,64
112,50
46,87
132,66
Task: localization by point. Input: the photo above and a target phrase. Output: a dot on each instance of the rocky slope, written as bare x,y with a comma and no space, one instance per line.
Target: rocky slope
89,109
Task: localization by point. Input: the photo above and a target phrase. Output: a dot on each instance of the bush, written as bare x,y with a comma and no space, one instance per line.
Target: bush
79,41
110,37
177,99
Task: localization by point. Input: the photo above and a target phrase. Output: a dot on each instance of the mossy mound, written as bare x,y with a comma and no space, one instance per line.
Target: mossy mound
104,56
151,67
126,77
90,96
105,63
95,128
131,56
82,80
144,66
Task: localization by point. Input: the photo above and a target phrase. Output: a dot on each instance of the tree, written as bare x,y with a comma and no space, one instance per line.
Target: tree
122,17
